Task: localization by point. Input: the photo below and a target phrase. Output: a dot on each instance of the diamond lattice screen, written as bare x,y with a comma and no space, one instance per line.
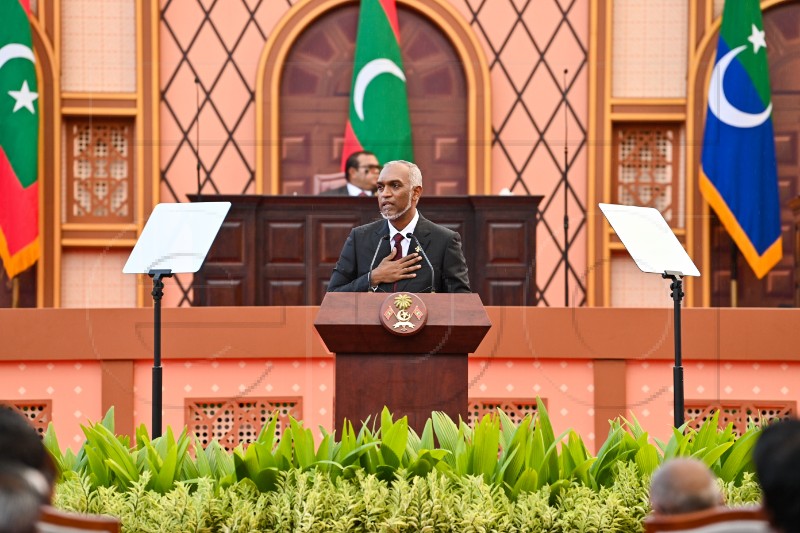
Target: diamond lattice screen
740,414
38,412
645,169
99,170
209,56
516,410
538,111
232,422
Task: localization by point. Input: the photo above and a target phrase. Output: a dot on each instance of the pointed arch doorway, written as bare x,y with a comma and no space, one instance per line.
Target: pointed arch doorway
302,97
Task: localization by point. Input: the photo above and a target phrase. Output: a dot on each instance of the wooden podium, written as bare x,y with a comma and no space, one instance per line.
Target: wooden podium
411,375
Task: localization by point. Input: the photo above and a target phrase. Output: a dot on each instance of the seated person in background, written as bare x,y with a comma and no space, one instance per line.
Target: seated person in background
683,485
386,246
20,444
361,171
777,458
23,491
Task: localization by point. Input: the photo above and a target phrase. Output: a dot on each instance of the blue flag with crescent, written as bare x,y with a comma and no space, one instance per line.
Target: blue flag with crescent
739,177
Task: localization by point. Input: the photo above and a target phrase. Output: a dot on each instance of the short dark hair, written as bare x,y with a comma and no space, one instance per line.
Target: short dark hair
352,162
20,443
20,498
776,456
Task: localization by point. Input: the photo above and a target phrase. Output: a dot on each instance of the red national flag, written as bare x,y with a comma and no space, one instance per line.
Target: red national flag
19,136
379,120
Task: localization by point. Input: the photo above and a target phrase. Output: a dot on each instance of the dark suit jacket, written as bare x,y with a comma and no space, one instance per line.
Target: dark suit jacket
441,245
338,191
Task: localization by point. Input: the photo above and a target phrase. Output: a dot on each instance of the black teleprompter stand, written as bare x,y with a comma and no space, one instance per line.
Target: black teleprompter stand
175,240
677,371
157,293
656,250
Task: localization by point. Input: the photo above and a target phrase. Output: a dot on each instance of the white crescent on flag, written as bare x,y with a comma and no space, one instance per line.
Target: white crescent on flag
368,73
14,51
718,103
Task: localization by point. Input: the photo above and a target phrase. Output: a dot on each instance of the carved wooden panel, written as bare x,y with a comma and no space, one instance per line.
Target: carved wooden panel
511,291
285,291
224,292
332,235
234,421
231,243
38,412
515,408
332,232
291,244
286,242
507,245
739,413
99,170
232,281
646,168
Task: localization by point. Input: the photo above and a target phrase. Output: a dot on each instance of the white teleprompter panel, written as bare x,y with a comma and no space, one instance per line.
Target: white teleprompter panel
177,237
649,239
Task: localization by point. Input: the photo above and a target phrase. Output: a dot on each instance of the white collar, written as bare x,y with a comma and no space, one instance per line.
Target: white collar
405,231
352,190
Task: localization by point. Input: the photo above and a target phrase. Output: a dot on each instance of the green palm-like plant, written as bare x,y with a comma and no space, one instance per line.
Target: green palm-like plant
517,458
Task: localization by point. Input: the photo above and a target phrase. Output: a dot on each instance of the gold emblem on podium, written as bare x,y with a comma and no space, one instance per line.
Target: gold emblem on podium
403,313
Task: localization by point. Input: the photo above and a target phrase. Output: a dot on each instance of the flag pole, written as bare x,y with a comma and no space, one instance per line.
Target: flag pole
15,292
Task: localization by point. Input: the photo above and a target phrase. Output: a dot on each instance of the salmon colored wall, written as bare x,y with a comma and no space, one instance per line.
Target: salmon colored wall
72,386
311,379
583,361
650,393
566,387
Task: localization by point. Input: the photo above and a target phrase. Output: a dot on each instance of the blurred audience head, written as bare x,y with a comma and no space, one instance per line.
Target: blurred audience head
777,459
20,443
23,490
683,485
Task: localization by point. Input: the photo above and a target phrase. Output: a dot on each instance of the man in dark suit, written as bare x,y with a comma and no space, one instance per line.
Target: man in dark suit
361,171
381,257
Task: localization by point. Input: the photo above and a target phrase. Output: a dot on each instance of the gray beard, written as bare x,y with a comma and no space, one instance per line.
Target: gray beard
401,213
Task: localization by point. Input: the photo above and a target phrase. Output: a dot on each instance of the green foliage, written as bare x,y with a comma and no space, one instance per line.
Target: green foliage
312,500
496,476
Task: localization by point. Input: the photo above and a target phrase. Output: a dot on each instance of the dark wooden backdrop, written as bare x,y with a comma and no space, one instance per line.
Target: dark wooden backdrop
281,250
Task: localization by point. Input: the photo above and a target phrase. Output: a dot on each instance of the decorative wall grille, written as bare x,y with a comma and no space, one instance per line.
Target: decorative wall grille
515,409
38,412
99,170
646,168
238,421
740,413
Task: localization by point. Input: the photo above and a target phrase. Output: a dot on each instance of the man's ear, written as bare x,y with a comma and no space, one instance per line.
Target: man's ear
417,192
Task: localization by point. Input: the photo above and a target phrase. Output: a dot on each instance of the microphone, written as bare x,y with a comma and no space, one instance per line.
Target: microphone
374,256
422,251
